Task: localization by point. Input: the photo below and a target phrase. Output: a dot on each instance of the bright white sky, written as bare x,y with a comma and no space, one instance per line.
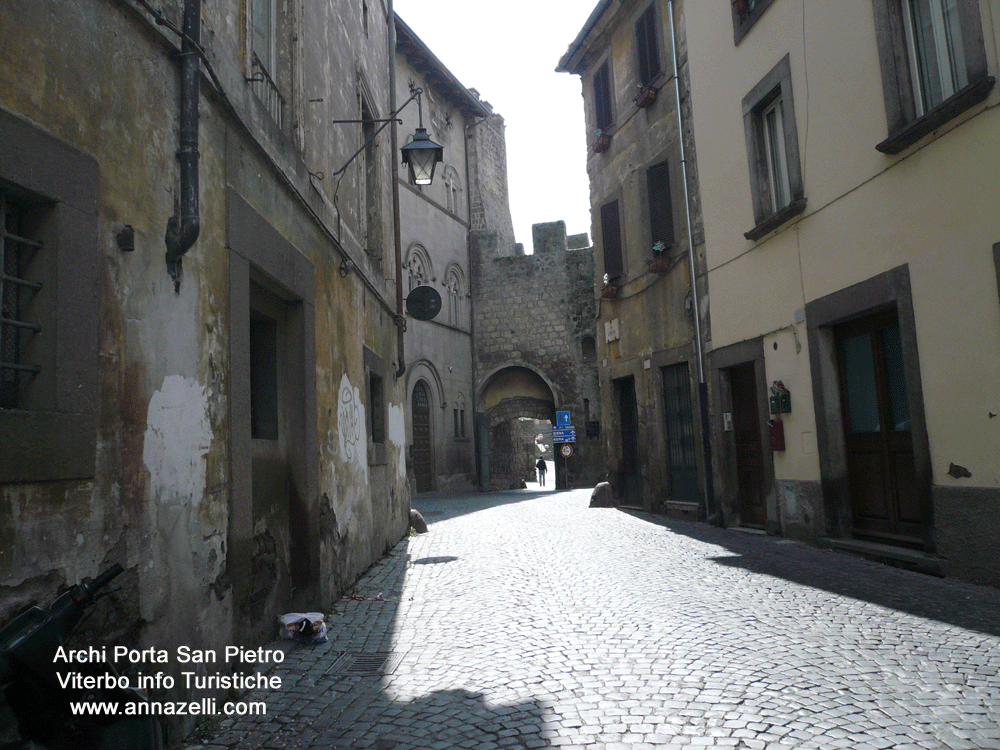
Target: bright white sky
508,52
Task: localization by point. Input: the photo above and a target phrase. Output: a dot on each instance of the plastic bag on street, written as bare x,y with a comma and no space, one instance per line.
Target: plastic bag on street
303,627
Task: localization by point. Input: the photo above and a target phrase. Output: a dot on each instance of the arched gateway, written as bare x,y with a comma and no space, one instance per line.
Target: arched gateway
513,400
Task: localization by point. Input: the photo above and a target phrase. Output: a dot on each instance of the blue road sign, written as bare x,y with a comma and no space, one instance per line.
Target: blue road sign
562,419
564,434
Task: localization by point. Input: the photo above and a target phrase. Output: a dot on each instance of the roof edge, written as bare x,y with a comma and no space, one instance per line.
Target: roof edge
465,98
574,47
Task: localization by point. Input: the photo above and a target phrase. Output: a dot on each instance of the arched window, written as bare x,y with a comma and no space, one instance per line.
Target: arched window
452,188
588,349
454,283
459,414
418,267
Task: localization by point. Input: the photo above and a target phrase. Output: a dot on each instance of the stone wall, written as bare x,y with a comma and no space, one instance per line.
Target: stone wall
533,311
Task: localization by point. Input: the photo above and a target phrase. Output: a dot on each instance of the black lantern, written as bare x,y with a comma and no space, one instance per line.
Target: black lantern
420,155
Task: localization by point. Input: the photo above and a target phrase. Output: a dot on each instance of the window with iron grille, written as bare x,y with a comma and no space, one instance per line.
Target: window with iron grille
17,293
264,23
602,97
611,240
49,299
647,47
661,216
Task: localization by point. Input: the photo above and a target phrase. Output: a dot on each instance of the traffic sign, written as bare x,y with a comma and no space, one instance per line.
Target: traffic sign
562,419
566,450
564,434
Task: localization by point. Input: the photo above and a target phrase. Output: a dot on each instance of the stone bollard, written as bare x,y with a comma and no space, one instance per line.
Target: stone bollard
417,522
601,497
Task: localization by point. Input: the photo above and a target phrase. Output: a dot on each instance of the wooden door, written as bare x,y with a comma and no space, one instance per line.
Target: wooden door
423,465
749,447
628,415
681,456
877,437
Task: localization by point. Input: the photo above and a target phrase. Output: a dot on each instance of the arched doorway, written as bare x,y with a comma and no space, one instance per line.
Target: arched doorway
513,400
423,462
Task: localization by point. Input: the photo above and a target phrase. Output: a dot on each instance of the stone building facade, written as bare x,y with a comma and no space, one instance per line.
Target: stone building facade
652,328
535,352
229,426
435,247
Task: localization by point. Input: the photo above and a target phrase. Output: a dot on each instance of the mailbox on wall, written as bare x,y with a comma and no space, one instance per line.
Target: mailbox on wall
780,399
776,429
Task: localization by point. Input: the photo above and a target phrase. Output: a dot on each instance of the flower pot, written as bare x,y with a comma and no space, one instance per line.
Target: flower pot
609,291
602,143
660,263
647,97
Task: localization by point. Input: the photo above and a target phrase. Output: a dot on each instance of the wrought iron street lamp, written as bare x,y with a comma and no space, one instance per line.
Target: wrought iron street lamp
421,155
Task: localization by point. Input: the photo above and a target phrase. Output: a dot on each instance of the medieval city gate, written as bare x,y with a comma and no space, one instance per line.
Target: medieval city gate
508,396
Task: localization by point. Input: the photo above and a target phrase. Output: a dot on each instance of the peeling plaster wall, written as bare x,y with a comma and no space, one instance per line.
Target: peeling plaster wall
164,498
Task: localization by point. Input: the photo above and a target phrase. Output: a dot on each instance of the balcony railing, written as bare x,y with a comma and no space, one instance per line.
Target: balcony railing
267,91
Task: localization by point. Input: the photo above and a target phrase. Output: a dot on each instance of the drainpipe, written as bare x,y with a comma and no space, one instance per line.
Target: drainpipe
477,449
709,495
400,319
184,225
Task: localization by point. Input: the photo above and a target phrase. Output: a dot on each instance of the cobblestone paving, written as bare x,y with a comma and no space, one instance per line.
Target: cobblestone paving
528,620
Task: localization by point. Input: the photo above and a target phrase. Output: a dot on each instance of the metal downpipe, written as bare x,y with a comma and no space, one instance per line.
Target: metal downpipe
184,226
397,241
708,494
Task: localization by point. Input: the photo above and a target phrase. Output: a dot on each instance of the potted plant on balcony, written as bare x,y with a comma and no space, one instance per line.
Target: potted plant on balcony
647,95
609,290
661,261
602,143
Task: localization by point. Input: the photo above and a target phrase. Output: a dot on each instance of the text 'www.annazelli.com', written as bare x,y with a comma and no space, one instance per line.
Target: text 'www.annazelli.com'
204,707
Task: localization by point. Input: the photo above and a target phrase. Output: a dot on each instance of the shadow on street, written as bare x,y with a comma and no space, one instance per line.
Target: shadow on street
367,715
434,508
456,718
945,600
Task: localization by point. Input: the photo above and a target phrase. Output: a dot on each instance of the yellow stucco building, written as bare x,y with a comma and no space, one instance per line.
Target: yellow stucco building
849,166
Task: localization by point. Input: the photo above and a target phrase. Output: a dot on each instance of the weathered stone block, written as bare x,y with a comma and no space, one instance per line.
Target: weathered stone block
601,497
417,522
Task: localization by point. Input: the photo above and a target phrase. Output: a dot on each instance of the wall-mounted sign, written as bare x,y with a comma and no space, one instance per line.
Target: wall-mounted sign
423,303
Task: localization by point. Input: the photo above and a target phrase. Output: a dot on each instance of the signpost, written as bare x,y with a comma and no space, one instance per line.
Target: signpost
565,433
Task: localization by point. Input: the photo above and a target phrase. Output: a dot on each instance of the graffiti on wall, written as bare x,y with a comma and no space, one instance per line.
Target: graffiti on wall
351,425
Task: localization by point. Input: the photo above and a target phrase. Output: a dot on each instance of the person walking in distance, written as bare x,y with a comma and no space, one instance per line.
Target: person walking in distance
541,471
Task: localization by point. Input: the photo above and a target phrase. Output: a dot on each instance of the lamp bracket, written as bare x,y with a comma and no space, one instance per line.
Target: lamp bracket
392,118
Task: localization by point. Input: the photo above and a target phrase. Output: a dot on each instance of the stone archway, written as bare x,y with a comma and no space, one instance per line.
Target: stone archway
510,396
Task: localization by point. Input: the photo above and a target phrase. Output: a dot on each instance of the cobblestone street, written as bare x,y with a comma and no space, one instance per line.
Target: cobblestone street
528,620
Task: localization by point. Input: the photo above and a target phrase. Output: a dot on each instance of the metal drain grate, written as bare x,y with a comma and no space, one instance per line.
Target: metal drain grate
362,663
